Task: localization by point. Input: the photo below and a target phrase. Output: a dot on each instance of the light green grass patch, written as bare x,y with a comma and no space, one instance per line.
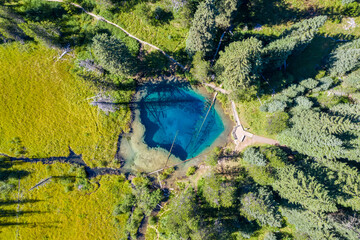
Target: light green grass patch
48,108
49,212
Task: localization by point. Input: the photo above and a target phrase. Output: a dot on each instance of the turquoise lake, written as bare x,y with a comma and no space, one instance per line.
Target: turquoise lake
178,112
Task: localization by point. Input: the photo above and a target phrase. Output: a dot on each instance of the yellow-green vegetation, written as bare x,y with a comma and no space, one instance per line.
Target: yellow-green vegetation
171,36
60,208
45,109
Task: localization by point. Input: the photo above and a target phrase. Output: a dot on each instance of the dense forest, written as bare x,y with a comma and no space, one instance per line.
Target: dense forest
291,67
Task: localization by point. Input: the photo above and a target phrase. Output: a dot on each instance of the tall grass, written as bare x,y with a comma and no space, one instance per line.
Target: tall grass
50,211
48,109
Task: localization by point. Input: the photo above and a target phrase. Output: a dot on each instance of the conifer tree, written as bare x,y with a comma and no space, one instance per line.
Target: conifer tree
239,65
218,193
293,40
260,205
345,58
294,185
202,32
113,55
227,10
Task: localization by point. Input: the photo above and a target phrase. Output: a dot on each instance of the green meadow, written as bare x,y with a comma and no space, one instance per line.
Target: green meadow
45,109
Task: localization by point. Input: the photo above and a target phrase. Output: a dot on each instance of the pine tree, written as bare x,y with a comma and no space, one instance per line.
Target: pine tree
227,10
201,68
292,41
313,224
202,32
182,222
239,65
254,157
345,58
294,185
260,205
113,55
217,192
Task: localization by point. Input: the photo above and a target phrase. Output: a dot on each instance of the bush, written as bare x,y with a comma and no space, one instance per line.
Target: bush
253,156
270,236
191,170
153,220
276,106
325,84
309,83
125,206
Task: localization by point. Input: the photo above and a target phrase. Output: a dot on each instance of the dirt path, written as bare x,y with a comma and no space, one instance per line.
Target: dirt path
242,138
97,17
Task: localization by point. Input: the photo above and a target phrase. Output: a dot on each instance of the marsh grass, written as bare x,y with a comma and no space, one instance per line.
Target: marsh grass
52,211
45,109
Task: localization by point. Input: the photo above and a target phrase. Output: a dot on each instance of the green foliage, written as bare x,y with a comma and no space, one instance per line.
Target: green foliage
303,102
201,68
276,106
182,222
276,123
309,137
293,40
342,180
202,32
309,83
126,205
294,185
113,55
165,174
353,80
218,193
9,28
311,223
345,58
270,236
213,158
191,171
146,199
253,156
44,32
239,65
227,10
260,205
325,84
134,222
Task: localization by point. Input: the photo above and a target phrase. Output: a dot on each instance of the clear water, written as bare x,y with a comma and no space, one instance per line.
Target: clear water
180,113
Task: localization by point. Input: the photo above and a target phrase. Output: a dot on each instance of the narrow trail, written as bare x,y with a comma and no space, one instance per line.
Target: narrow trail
98,17
242,138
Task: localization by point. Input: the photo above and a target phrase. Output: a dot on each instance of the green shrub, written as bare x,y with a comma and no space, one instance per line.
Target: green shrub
191,171
253,156
153,220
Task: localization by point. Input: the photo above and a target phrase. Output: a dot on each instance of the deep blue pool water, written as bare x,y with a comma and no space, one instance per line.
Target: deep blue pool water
169,111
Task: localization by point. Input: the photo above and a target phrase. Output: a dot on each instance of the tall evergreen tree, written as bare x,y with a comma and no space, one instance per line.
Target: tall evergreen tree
260,205
202,32
345,58
238,67
297,187
293,40
227,10
310,223
113,55
218,193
